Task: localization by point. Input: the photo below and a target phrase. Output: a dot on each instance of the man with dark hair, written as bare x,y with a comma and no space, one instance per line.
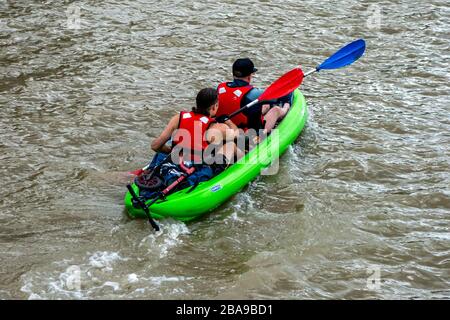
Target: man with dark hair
236,94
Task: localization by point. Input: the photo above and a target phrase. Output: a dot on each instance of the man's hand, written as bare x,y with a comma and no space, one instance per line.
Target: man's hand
222,119
265,108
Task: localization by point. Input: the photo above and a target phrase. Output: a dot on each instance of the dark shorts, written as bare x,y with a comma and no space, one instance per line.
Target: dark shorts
157,159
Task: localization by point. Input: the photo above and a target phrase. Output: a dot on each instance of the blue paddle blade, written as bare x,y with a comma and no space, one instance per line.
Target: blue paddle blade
345,56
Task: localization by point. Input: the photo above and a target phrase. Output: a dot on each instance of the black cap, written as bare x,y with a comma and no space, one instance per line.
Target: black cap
243,67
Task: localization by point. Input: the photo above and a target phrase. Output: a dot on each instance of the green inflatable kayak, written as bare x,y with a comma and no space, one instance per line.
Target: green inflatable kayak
187,205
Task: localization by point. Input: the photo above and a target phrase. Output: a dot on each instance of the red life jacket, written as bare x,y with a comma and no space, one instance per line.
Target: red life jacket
230,100
190,135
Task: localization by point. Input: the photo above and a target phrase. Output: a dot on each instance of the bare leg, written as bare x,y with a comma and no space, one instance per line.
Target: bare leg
274,115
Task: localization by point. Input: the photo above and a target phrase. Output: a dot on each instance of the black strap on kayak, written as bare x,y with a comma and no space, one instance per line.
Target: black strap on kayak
143,206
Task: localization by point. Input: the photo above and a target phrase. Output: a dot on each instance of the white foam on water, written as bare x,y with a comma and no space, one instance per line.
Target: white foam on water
140,290
234,217
59,289
244,201
166,239
112,284
154,283
68,279
115,230
55,287
28,289
64,262
247,204
96,274
133,278
104,260
158,280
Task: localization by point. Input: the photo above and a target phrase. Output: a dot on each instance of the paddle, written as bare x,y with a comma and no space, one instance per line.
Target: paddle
143,207
343,57
284,85
292,79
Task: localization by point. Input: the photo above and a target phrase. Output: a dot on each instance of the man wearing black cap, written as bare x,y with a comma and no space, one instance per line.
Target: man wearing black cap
236,94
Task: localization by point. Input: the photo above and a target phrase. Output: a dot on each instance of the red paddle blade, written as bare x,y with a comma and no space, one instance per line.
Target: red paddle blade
283,85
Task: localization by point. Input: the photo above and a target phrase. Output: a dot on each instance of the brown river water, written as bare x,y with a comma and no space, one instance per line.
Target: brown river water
360,207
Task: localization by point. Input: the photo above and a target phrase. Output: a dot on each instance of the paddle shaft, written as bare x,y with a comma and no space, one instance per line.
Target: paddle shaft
248,105
143,207
310,72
